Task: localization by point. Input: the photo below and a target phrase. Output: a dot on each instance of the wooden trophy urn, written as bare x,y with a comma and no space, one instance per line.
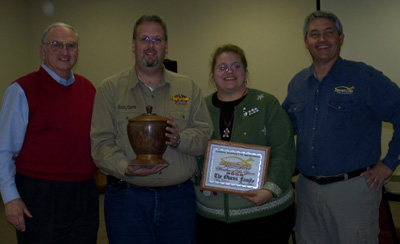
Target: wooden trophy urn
146,134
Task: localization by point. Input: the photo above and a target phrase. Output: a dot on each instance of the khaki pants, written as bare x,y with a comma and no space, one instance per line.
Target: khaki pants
337,213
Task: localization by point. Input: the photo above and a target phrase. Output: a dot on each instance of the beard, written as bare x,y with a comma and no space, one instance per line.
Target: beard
149,63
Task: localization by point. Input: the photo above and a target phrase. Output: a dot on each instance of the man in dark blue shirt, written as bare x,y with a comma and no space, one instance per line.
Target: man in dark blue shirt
337,108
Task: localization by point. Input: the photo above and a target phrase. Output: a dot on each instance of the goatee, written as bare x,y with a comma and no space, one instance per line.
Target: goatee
148,64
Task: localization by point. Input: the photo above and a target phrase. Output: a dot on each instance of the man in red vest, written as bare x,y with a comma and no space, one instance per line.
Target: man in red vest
46,170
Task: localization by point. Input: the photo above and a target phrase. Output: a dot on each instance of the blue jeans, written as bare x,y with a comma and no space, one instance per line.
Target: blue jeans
140,215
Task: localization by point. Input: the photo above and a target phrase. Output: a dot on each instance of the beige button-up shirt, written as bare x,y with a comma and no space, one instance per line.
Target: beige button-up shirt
122,97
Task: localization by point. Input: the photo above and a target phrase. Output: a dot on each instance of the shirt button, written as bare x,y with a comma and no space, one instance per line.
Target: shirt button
316,109
313,167
313,129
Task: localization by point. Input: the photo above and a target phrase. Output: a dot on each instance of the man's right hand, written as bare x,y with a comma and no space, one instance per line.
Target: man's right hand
14,211
137,170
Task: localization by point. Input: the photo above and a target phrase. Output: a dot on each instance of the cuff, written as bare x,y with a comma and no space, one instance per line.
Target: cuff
274,188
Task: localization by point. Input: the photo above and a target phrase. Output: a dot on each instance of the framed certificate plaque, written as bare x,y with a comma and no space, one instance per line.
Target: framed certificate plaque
234,167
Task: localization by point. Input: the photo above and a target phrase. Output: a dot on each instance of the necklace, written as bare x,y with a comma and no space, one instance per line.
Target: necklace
226,132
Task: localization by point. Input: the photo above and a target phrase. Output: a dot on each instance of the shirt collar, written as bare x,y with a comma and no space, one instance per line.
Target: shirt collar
334,71
166,77
62,81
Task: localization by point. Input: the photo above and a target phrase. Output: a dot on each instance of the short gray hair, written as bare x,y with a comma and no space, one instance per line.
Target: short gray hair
322,14
59,24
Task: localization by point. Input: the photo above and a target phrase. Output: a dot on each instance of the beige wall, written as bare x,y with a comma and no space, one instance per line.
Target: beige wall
372,35
372,32
269,31
14,41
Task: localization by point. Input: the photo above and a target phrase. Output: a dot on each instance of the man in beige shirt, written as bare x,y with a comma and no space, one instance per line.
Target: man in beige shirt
149,205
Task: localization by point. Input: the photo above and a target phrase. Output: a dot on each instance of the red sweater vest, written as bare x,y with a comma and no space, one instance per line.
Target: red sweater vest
57,140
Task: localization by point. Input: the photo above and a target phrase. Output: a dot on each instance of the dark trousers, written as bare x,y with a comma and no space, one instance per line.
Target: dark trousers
274,229
63,212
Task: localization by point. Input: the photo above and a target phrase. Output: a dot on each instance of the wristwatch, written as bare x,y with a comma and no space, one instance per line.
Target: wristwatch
177,143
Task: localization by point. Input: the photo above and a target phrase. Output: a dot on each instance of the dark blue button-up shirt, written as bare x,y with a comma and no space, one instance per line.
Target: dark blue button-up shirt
338,121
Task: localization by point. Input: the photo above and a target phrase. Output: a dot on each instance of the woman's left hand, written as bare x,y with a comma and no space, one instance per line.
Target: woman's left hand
258,197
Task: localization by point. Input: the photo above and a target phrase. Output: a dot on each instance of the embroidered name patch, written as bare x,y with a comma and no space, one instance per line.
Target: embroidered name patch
180,99
344,90
126,107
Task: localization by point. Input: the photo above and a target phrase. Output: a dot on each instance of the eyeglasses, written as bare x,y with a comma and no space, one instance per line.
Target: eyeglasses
56,46
155,40
233,68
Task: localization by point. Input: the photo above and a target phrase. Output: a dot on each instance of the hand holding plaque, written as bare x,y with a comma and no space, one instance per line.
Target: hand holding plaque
234,167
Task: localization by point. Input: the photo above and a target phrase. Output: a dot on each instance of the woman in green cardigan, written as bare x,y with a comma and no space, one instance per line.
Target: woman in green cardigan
250,116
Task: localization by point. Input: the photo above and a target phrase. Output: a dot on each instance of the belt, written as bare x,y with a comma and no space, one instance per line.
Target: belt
120,184
322,180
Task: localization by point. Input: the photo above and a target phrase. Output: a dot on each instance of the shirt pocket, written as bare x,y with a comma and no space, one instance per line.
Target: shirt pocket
122,139
296,112
181,118
122,122
339,114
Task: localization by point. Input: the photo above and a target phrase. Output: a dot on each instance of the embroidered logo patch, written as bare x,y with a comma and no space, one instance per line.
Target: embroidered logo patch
180,99
344,90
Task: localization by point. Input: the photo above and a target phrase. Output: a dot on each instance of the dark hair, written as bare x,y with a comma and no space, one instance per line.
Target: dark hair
227,48
322,14
150,18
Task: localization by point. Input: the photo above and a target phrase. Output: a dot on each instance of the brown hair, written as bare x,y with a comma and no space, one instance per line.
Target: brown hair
151,18
227,48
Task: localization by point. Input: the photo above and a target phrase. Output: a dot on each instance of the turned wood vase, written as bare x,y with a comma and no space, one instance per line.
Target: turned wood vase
146,134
